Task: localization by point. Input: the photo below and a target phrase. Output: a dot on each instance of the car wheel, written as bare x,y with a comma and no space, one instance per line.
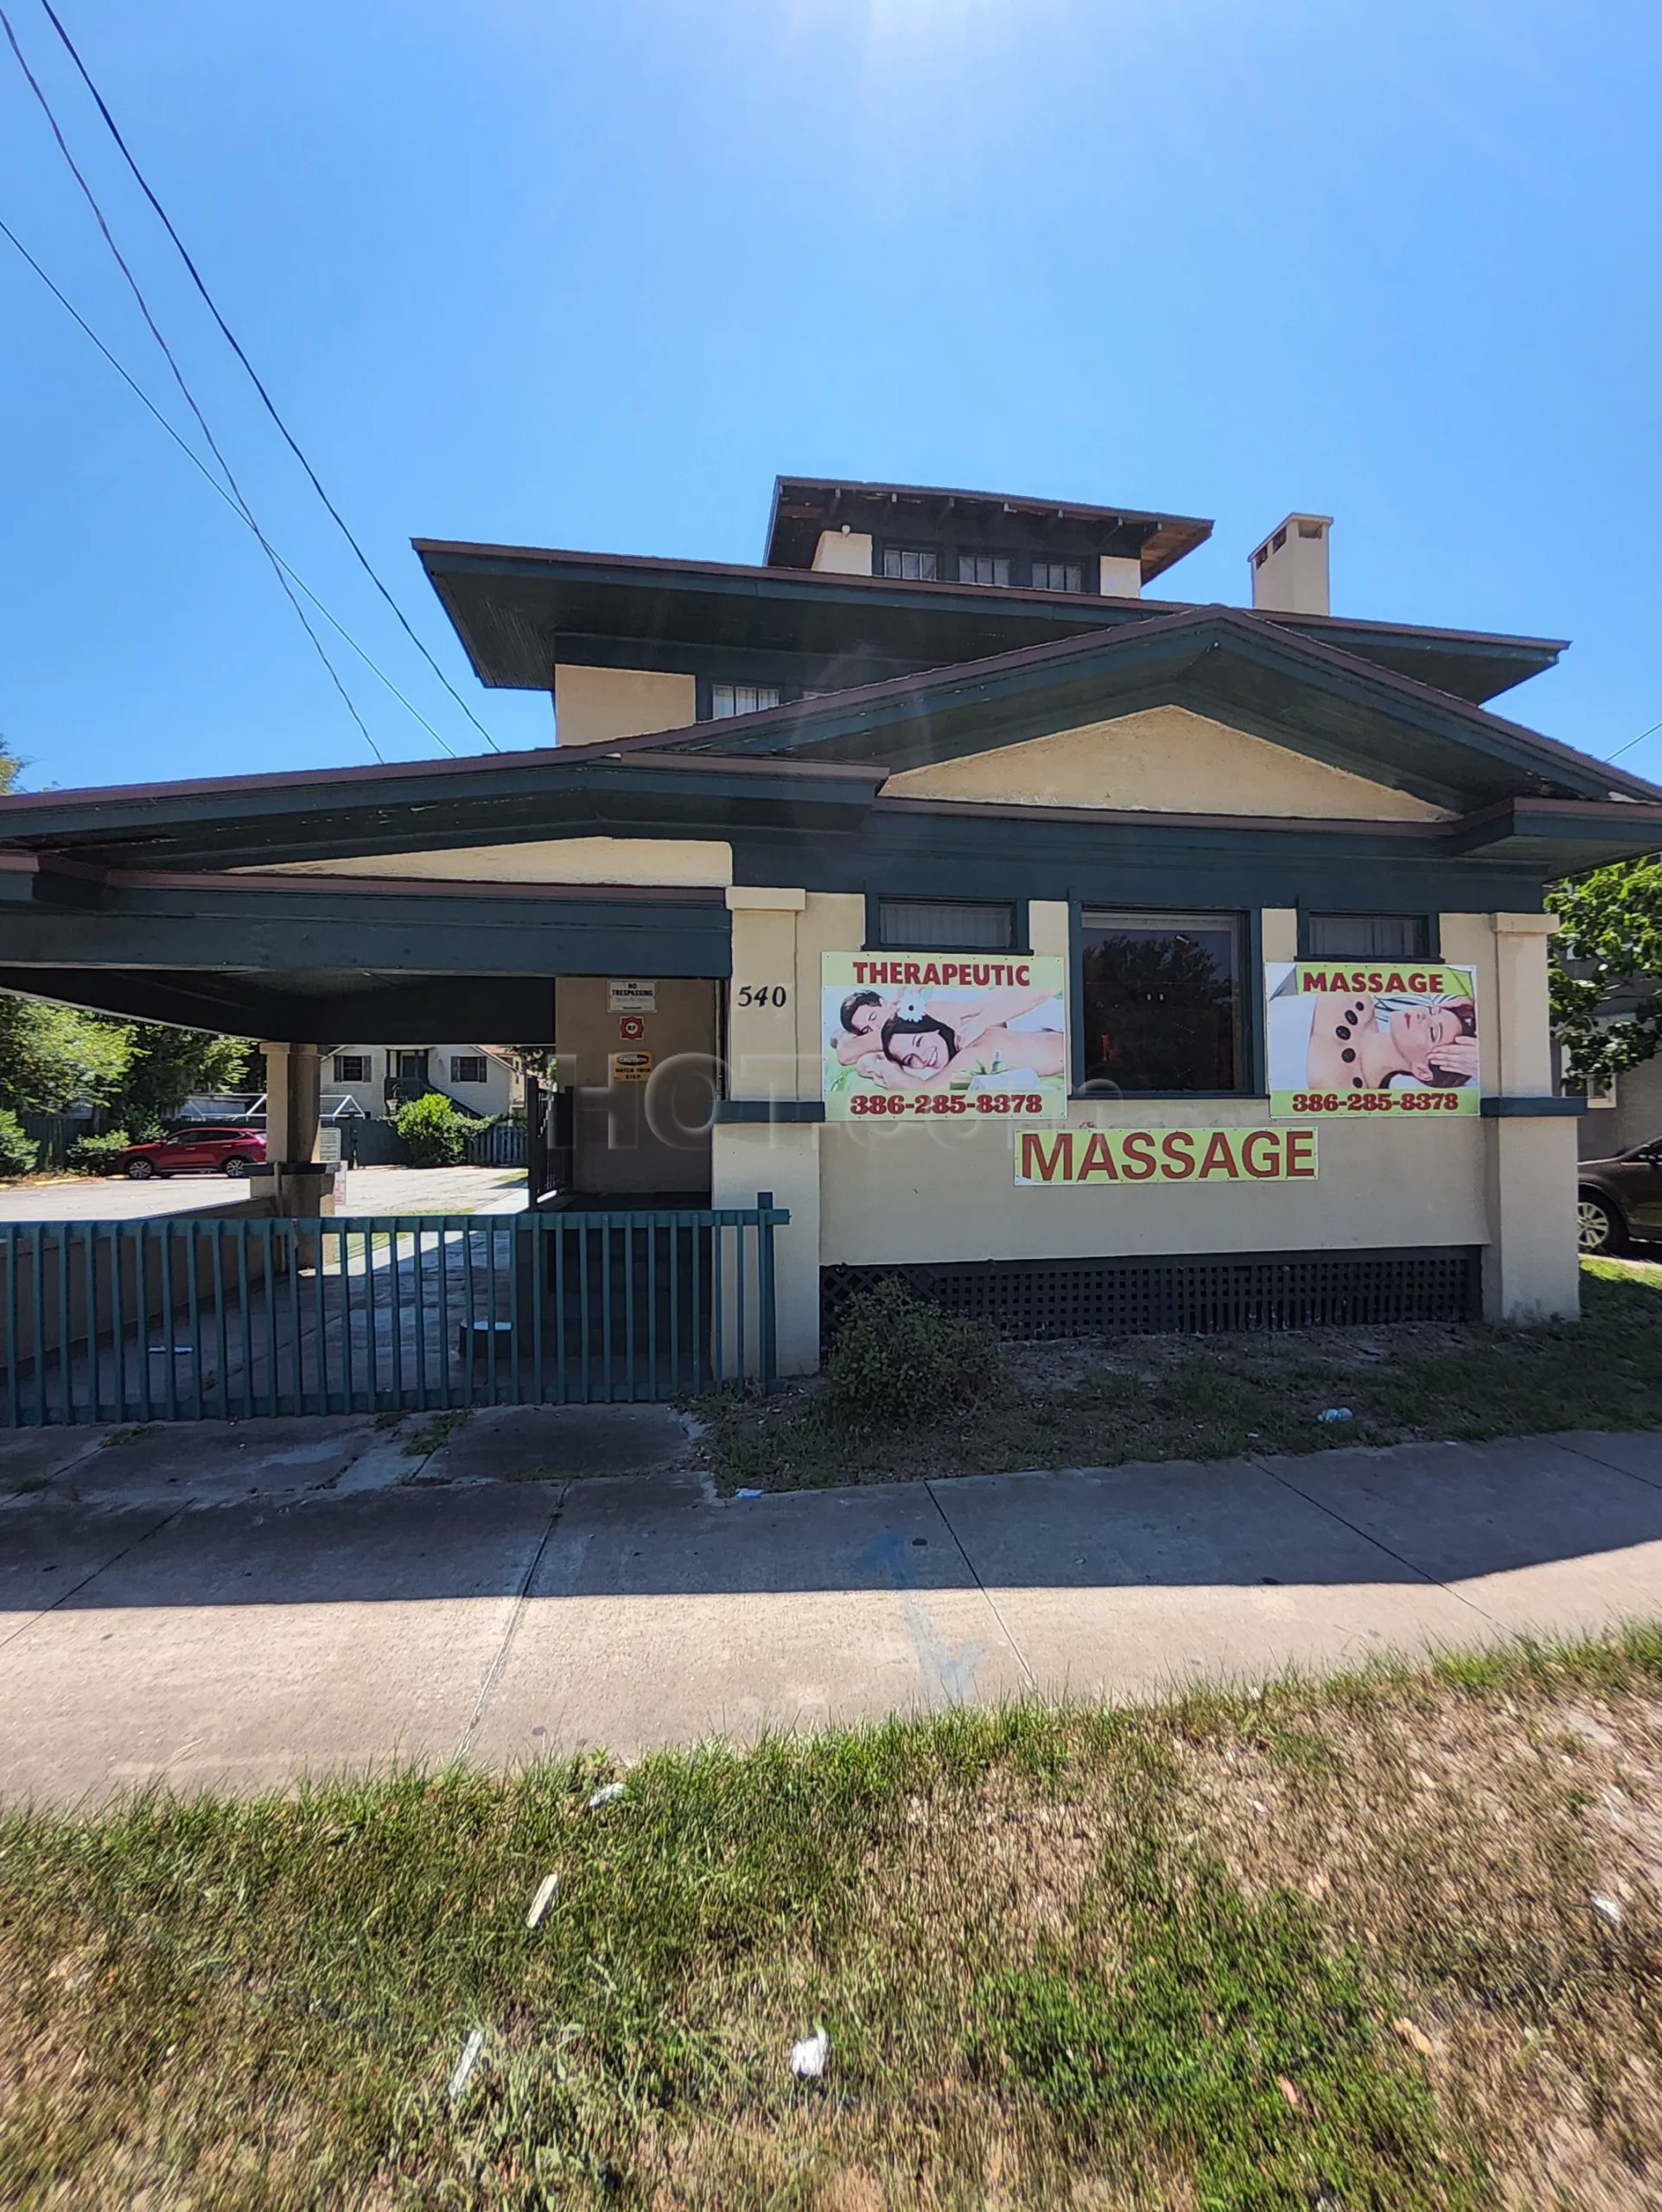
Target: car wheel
236,1167
1599,1226
139,1170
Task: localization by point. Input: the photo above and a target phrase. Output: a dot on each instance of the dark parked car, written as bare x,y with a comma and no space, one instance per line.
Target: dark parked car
194,1151
1622,1198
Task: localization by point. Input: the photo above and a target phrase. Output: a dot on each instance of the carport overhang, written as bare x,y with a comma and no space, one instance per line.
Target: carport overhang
267,955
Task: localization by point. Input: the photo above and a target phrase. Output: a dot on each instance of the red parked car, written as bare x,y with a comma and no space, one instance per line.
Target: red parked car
194,1151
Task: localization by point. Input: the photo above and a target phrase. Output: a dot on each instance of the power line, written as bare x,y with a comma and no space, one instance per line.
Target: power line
179,378
270,404
1632,741
215,485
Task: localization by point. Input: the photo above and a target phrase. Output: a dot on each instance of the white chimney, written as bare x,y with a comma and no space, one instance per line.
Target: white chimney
1289,569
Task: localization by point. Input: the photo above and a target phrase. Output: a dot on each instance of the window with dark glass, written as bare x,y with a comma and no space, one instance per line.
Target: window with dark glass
1367,937
1160,1000
351,1067
1059,575
469,1067
727,699
947,925
912,564
983,567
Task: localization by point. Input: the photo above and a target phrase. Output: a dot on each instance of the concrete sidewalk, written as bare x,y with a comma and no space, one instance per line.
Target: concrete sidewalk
242,1607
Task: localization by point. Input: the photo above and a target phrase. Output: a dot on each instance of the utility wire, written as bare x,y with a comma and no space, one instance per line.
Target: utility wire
215,485
1632,741
270,404
178,374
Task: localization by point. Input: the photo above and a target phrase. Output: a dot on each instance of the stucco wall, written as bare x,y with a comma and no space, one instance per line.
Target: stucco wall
593,704
703,861
843,553
1168,760
946,1190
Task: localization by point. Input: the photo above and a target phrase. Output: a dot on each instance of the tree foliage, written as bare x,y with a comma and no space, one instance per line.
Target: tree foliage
56,1057
1605,972
52,1057
166,1066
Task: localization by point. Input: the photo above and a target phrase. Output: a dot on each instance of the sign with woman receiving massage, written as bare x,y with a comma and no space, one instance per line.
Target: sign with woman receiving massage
1355,1038
930,1035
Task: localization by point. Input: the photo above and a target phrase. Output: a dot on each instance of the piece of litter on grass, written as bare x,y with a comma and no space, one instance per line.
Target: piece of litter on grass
808,2057
465,2063
749,1493
1337,1412
1290,2091
544,1898
1415,2036
608,1794
1607,1909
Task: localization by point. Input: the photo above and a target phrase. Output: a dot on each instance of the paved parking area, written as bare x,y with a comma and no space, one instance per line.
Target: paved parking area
360,1190
249,1604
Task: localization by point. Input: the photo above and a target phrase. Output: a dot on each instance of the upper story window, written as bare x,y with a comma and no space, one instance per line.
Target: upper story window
912,564
947,925
1160,1002
983,567
469,1067
1059,575
351,1067
1367,937
741,698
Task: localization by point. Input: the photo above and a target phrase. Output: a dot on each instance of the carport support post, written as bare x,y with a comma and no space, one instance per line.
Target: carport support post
301,1186
772,1050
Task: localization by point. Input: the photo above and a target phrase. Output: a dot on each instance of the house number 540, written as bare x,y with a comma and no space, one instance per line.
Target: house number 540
763,994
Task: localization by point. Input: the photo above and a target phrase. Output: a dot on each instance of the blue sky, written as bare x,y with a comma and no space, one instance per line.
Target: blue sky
551,273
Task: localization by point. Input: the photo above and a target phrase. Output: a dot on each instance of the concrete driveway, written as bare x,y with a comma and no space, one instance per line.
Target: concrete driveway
244,1605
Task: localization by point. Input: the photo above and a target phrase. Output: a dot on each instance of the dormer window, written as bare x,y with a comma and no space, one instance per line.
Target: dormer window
727,699
1059,575
983,567
911,564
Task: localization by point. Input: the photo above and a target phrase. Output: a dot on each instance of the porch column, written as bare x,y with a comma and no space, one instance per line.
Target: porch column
301,1185
766,1132
1530,1265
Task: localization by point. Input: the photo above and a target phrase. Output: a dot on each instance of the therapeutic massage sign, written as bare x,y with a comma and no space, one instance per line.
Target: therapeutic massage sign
1362,1037
933,1037
1079,1156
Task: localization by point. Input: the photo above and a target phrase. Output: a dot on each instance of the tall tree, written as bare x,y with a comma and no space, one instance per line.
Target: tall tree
52,1057
1606,970
167,1066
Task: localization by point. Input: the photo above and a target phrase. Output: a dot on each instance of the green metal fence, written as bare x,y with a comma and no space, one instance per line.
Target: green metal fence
180,1318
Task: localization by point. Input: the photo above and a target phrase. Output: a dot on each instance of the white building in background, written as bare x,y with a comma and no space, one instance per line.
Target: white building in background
379,1079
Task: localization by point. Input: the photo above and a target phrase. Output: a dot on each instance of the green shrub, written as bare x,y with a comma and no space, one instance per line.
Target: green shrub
434,1129
897,1360
19,1154
91,1155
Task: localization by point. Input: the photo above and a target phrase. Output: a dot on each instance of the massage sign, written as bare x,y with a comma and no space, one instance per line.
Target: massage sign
1366,1040
933,1037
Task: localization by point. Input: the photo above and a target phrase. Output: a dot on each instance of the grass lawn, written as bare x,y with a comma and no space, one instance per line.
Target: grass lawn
1094,1404
1388,1943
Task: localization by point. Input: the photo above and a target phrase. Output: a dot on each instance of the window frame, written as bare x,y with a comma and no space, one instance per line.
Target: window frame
973,553
362,1061
1430,926
1046,561
902,545
480,1060
1248,922
1020,945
